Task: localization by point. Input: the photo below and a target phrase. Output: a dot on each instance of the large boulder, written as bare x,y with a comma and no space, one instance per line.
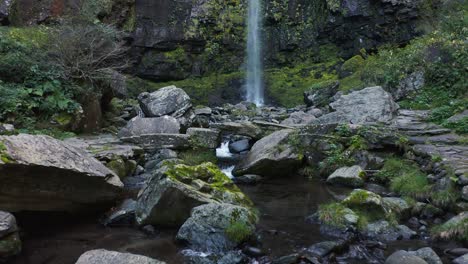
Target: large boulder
404,257
428,255
139,126
217,227
348,176
10,243
299,119
152,142
384,231
169,100
369,105
102,256
244,128
271,155
176,189
204,137
40,173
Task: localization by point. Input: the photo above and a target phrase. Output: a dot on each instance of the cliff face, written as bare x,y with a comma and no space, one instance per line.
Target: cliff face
175,40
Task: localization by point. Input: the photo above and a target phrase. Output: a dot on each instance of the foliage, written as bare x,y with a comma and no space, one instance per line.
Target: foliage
445,198
333,214
337,157
238,231
412,183
452,230
197,156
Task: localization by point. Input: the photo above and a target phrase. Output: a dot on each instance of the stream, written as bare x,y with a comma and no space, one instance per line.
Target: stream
283,204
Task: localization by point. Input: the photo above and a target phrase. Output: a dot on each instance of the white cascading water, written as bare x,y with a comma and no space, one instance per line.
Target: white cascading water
254,85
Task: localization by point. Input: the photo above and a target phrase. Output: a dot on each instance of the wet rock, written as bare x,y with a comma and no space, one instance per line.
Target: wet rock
270,156
169,100
217,227
348,176
322,249
368,105
465,193
102,256
321,97
428,255
289,259
204,137
397,205
244,128
175,189
401,256
231,257
40,173
239,146
461,260
457,251
122,215
5,11
384,231
6,128
408,85
10,243
376,188
299,119
139,126
160,141
253,252
248,179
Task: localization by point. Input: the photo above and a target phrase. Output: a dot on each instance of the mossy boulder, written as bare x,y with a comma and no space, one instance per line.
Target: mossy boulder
364,199
455,228
217,227
176,189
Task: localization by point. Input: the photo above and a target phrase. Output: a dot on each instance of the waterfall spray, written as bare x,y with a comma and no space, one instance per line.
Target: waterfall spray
254,54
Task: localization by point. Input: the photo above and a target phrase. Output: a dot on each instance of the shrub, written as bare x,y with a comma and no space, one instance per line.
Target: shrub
238,231
333,214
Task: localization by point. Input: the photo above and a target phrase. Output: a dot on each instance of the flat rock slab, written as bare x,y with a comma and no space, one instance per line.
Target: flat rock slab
102,256
160,141
40,173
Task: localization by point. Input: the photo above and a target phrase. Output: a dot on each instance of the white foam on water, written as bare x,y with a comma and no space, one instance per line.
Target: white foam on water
223,150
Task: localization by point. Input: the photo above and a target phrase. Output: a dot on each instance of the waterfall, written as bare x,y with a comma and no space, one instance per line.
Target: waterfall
254,54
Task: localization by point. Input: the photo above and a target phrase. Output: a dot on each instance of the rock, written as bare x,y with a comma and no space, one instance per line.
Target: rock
271,155
369,105
10,243
321,97
6,128
408,85
40,173
169,100
122,215
239,146
5,11
383,231
364,199
465,193
401,256
253,251
457,251
231,257
204,137
461,260
139,126
217,227
248,179
428,255
244,128
454,229
299,119
348,176
102,256
396,205
203,111
315,112
176,189
458,117
160,141
322,249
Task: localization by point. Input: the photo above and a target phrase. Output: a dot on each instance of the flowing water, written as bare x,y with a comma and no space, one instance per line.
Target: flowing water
254,54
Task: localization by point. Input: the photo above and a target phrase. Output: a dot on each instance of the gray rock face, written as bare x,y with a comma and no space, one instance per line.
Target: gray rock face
122,215
169,100
102,256
245,128
396,205
6,128
271,155
458,117
408,85
321,97
299,119
239,146
465,193
160,141
383,231
175,190
10,243
368,105
204,137
402,256
40,173
211,227
461,260
348,176
139,126
428,255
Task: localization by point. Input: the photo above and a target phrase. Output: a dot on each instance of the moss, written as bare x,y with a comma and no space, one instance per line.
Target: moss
353,65
130,22
4,157
117,165
209,173
238,231
446,198
333,214
412,183
452,230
